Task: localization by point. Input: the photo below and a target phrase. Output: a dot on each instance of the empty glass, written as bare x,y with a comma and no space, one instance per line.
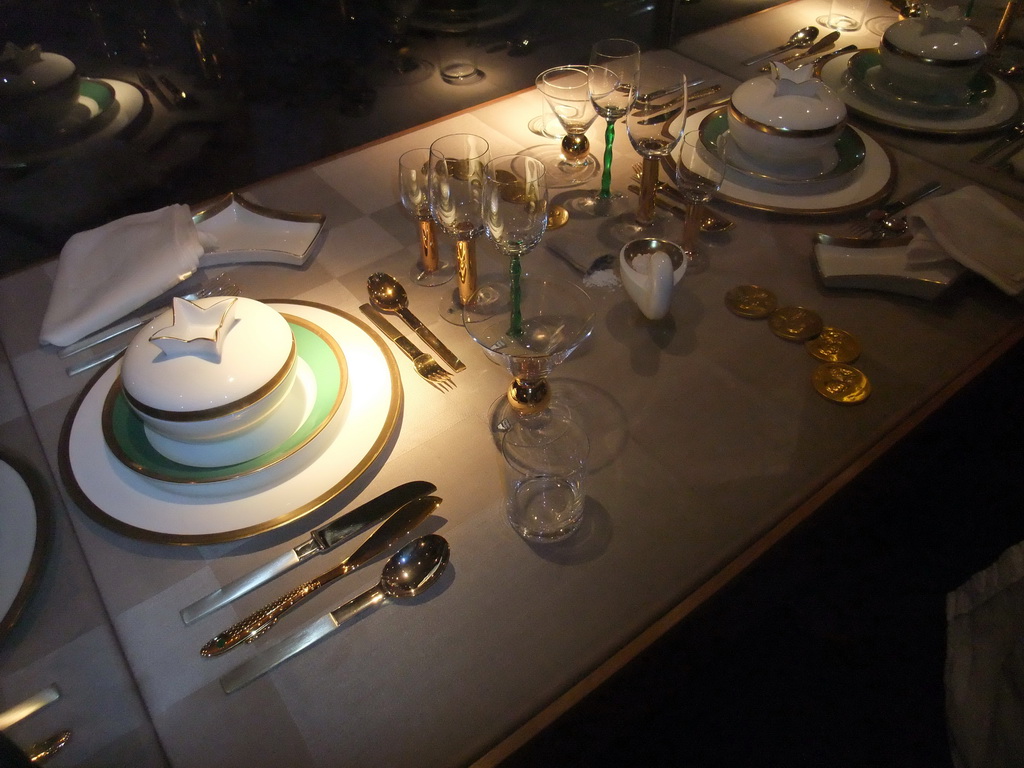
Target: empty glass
699,174
456,179
566,91
414,187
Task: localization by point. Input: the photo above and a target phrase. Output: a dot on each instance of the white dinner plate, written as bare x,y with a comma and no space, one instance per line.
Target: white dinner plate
871,181
999,110
21,545
177,513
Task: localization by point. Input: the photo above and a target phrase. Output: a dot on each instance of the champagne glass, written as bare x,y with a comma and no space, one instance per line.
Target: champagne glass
699,174
654,125
566,90
414,187
614,66
456,179
557,316
515,208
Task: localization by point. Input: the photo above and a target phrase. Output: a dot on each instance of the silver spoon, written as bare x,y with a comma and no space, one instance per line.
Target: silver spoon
388,295
410,571
799,39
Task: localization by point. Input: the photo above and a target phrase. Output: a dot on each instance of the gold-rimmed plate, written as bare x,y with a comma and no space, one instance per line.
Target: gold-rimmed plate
866,185
848,155
24,541
994,112
323,365
204,513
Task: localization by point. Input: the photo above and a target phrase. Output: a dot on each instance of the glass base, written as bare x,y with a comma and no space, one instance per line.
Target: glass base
665,227
557,171
839,22
402,70
598,207
431,279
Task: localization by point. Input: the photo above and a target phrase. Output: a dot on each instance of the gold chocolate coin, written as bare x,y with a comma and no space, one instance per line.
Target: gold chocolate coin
834,345
795,323
751,301
841,383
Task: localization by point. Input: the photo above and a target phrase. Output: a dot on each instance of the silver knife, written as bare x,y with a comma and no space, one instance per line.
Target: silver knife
321,540
1002,144
390,531
316,630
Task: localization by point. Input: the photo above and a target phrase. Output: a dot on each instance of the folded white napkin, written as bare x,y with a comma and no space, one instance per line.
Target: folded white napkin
107,272
977,230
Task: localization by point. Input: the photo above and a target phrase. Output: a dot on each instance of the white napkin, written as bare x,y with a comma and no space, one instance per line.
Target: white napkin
105,273
975,229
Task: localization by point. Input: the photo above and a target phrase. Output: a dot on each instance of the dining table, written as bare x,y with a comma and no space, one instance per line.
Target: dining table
708,445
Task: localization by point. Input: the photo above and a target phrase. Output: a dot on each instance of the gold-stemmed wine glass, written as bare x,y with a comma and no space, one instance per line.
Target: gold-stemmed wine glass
456,178
566,89
614,67
414,188
654,124
699,175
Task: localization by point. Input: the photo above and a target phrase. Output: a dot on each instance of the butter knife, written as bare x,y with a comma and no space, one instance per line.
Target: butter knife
390,531
323,539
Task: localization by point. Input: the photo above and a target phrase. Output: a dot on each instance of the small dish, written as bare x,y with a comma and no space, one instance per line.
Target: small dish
321,383
845,156
865,72
240,230
23,545
95,108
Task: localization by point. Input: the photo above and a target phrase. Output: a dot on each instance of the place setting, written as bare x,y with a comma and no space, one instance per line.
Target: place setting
928,74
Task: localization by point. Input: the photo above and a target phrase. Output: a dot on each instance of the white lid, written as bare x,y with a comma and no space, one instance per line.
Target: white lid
938,35
258,348
26,70
785,99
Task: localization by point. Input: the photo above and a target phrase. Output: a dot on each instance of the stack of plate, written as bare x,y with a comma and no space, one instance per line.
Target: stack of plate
984,104
347,406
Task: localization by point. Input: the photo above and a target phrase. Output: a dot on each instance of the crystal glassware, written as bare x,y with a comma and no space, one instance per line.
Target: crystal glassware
515,209
456,178
414,188
566,90
557,316
654,124
699,174
614,67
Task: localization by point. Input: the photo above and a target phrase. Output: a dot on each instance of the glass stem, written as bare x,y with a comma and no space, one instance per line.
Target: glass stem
515,271
428,246
648,190
465,259
606,175
691,225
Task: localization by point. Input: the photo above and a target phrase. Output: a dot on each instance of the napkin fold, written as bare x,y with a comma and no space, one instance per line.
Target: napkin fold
975,229
106,272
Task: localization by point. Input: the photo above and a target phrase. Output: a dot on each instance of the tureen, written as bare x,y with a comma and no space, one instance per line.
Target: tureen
785,117
35,87
213,369
932,52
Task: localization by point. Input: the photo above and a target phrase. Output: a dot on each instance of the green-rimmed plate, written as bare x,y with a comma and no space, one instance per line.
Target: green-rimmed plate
865,72
849,147
126,436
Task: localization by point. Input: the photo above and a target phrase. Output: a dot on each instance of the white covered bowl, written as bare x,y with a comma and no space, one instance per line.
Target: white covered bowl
785,118
36,87
211,370
935,52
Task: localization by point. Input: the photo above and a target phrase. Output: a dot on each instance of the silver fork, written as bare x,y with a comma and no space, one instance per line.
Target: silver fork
425,365
870,226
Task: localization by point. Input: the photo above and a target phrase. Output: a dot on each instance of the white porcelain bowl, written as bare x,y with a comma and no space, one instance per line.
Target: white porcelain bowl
200,398
924,57
649,269
41,93
782,125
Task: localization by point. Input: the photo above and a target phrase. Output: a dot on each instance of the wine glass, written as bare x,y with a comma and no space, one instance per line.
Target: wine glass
699,174
654,125
456,179
557,316
614,66
566,90
515,208
414,188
